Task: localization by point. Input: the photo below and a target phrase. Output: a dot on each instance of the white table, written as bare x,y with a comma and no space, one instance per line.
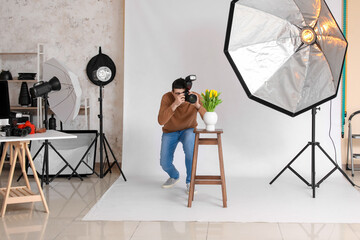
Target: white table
18,149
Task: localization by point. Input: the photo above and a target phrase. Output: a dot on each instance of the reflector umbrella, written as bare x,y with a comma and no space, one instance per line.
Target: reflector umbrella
287,54
66,102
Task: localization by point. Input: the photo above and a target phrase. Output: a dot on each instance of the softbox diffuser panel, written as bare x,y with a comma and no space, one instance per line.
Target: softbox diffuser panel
264,47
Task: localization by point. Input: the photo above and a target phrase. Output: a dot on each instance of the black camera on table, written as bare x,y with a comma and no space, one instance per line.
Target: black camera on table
191,98
15,131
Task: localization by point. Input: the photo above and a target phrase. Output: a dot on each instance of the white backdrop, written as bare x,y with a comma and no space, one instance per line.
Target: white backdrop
168,39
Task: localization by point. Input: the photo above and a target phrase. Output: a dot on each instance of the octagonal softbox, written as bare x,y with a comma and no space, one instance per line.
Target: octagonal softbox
267,48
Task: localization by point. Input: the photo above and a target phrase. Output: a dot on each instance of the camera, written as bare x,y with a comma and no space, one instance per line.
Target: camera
20,130
15,131
191,98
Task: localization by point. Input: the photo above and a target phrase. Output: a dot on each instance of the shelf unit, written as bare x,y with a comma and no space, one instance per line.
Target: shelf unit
39,110
39,54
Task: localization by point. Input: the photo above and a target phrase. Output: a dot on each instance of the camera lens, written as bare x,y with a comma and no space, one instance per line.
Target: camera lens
192,98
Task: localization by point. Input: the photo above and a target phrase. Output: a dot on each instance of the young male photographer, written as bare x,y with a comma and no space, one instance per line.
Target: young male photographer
178,118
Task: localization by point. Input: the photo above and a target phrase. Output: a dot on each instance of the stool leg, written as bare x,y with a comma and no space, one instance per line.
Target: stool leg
222,171
195,165
3,156
193,171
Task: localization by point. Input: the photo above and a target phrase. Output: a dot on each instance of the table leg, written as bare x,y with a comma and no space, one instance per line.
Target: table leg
3,156
11,174
22,164
11,146
36,178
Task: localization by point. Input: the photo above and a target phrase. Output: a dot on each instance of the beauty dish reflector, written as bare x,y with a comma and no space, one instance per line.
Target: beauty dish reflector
101,69
287,54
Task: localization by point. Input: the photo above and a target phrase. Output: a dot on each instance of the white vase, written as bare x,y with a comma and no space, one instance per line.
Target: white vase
210,119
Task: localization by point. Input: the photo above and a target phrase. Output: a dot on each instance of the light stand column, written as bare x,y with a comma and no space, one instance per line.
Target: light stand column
313,144
101,132
104,143
46,144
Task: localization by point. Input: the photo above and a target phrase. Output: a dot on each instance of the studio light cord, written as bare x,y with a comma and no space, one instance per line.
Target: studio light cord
333,140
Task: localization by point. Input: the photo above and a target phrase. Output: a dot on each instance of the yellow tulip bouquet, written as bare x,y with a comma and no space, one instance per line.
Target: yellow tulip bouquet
210,100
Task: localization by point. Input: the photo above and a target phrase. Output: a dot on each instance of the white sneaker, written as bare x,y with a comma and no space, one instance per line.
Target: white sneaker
170,182
188,189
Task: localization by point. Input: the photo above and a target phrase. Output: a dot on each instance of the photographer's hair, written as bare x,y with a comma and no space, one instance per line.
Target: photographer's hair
178,84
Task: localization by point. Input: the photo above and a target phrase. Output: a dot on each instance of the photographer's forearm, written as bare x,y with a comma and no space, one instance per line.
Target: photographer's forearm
199,106
165,115
174,106
202,111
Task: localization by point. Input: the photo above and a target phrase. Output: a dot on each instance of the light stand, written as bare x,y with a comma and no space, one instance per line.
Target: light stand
101,70
313,143
104,142
104,145
46,145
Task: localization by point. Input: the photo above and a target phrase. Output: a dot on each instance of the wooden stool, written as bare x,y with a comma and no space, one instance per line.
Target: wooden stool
12,195
207,179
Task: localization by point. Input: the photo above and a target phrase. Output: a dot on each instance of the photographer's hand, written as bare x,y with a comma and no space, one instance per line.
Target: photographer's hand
197,103
179,99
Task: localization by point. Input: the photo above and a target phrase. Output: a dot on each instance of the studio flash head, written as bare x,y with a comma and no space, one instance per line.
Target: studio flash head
191,98
42,88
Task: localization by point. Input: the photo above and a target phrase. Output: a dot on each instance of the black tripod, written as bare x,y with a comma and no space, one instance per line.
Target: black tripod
46,145
313,184
104,145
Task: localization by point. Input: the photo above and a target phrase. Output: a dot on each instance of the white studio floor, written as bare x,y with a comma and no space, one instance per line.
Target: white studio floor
249,200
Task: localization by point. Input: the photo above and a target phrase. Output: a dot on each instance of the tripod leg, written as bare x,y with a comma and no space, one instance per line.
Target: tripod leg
288,165
66,162
42,146
117,163
107,157
82,160
46,157
42,171
336,167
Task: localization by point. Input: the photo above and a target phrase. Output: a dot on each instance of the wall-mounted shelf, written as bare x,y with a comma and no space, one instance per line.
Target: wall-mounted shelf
20,81
20,108
18,53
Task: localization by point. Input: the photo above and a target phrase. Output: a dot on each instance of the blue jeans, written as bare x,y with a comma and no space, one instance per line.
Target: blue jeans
169,141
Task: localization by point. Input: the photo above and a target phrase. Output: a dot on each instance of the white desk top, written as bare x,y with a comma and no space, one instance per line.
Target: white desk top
49,134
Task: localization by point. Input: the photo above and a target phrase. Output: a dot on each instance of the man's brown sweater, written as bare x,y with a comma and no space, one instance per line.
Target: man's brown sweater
182,118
